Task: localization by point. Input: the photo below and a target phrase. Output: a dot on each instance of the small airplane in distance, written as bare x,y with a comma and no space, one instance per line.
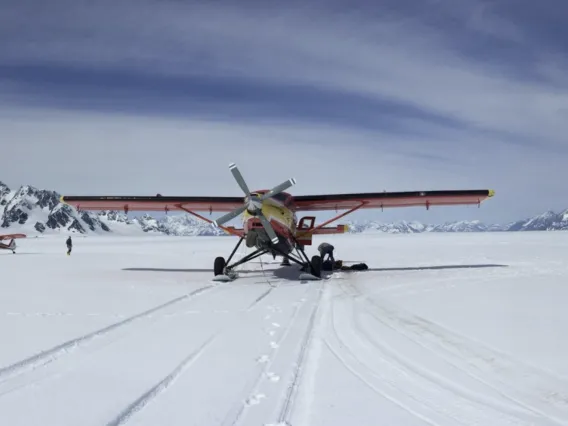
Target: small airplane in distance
270,222
12,244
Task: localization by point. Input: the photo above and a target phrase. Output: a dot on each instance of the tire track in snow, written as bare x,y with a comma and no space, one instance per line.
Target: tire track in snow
33,380
154,392
28,382
431,376
259,298
376,389
451,347
422,395
47,356
472,404
380,385
288,402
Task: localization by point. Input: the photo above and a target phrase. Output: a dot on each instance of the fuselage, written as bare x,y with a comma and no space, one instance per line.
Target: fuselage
279,210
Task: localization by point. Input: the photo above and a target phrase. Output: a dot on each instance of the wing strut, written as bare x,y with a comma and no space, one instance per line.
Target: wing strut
333,219
224,228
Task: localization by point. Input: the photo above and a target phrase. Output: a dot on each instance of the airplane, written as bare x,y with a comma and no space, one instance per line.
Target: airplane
12,244
270,220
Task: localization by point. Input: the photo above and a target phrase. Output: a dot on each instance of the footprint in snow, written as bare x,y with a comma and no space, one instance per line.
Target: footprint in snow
255,399
272,377
263,359
274,345
275,324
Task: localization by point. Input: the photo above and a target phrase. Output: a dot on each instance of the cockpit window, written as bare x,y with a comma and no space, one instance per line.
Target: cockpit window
281,197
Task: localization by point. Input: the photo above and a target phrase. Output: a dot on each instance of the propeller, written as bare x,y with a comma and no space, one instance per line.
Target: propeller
253,203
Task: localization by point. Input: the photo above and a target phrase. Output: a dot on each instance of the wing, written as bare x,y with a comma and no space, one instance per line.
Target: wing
379,200
157,203
12,236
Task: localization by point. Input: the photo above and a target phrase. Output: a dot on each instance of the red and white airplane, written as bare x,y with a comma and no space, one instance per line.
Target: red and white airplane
270,222
11,245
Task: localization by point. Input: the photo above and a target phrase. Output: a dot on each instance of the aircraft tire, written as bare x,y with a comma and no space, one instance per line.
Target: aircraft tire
316,266
219,266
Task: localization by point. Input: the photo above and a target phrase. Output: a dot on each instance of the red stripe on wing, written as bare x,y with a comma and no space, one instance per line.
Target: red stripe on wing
140,203
390,199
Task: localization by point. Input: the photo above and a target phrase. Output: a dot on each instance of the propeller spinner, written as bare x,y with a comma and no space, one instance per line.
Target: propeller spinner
253,203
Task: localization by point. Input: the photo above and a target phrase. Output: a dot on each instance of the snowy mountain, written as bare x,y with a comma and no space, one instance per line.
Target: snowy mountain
35,210
548,221
39,211
404,227
177,225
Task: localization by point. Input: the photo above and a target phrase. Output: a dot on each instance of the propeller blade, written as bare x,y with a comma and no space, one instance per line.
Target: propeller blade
229,216
269,229
239,178
278,189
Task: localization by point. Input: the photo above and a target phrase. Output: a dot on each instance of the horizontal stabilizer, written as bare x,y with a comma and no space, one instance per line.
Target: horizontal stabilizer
339,229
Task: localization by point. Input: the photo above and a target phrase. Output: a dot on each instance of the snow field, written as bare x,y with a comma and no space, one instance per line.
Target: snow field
445,329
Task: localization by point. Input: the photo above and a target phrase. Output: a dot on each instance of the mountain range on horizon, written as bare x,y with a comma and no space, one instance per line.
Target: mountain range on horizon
39,211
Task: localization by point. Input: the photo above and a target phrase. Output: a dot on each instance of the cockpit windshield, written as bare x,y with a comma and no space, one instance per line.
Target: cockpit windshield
283,198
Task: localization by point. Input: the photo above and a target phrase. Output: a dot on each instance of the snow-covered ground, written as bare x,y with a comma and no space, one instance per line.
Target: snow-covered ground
445,329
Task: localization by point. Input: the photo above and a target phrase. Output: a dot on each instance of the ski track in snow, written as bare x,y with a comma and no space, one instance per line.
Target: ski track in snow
160,387
50,355
483,363
49,370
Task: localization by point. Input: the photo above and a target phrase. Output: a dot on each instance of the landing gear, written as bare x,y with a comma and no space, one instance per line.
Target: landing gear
219,266
316,266
225,270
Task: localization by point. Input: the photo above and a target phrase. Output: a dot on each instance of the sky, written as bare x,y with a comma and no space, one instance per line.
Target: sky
138,97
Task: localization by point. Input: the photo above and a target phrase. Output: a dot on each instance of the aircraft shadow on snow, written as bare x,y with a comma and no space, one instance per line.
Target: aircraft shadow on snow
22,253
292,272
422,268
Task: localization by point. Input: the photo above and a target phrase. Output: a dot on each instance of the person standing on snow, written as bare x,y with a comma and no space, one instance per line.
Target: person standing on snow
69,245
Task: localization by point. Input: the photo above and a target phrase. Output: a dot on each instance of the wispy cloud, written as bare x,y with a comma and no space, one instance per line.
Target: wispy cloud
439,93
